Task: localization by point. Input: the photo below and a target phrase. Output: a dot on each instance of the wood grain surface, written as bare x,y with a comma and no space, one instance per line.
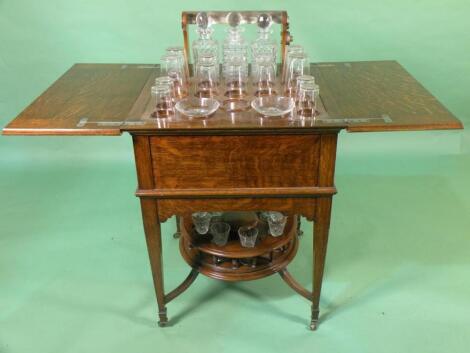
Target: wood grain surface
370,93
107,99
89,99
293,205
195,162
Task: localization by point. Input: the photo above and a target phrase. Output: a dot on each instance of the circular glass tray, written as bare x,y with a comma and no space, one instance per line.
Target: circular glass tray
194,107
273,106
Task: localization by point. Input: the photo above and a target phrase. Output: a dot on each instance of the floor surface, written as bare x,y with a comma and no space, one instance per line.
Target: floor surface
74,272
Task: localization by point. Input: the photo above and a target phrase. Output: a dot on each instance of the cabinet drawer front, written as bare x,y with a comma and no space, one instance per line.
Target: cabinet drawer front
235,161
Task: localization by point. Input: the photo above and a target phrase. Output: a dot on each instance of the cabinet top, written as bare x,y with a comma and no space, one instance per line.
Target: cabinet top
108,99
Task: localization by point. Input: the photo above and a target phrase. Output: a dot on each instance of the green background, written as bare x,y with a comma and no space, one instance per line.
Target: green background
74,274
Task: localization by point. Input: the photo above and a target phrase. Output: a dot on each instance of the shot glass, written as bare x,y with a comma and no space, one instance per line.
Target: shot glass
277,223
201,221
248,236
220,232
264,215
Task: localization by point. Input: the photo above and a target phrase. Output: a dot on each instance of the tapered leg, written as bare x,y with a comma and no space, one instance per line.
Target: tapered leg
154,247
320,241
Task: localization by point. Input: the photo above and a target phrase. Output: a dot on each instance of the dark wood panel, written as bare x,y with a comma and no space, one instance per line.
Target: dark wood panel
379,96
302,206
305,191
195,162
89,99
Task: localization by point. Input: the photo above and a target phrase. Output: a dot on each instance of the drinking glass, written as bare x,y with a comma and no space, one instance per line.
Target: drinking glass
307,99
172,67
207,75
290,50
301,79
298,66
201,221
236,76
220,232
179,52
277,222
165,80
248,236
162,101
265,76
261,55
264,215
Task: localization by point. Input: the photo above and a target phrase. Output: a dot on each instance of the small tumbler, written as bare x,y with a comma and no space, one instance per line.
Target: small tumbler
298,66
179,51
207,75
235,76
277,222
173,67
163,101
201,221
165,80
220,232
290,50
265,77
248,236
307,100
302,79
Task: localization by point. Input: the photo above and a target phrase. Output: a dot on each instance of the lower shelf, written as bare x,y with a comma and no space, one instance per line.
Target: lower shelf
268,257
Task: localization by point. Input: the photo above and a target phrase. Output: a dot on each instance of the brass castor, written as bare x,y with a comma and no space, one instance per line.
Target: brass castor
163,319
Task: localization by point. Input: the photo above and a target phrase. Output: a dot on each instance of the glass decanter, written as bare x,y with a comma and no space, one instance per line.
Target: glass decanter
234,46
205,43
263,45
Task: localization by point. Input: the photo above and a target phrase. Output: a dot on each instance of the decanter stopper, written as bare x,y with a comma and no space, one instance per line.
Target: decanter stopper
202,20
264,21
234,19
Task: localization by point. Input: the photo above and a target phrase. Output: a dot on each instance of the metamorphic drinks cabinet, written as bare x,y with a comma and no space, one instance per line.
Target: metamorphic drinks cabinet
236,163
